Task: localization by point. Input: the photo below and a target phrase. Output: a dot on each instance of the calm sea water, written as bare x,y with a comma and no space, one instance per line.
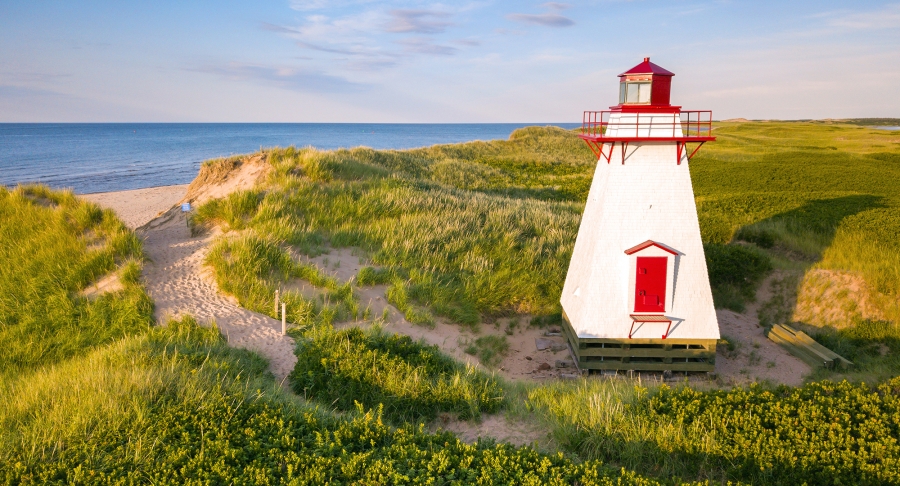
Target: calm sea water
118,156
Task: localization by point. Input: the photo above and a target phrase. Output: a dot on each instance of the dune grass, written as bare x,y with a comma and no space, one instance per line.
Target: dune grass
822,192
485,229
109,399
178,406
821,433
53,246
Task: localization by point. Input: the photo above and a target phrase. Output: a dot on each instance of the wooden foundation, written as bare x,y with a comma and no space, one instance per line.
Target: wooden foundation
624,354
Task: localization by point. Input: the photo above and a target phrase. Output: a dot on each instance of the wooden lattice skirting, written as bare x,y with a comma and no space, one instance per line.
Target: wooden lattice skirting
669,354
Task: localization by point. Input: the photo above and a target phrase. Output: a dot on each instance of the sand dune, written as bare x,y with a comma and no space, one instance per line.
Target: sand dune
176,278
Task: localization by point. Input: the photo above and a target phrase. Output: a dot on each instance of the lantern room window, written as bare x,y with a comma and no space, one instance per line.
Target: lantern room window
634,92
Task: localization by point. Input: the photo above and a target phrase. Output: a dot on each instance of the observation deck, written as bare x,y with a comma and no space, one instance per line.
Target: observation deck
608,127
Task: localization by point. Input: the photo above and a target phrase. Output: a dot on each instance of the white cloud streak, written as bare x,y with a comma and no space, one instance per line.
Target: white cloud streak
544,19
417,21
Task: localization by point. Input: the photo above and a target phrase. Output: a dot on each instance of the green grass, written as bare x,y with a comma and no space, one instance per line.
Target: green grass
821,433
53,246
735,272
462,247
252,268
490,350
178,406
486,228
108,399
818,192
411,381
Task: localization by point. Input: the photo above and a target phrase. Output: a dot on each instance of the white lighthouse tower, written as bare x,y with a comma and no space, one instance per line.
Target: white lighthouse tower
637,294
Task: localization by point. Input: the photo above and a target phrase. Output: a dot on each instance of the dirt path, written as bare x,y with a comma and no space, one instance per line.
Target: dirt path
755,357
179,284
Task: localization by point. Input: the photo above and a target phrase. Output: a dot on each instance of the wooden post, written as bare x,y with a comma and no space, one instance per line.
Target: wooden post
283,318
277,300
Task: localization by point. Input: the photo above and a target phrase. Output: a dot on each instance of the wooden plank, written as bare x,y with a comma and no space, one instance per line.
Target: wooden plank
838,359
638,366
801,352
571,338
648,353
591,341
809,345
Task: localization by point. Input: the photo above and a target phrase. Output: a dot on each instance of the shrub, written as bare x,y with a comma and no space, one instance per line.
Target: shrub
735,271
411,381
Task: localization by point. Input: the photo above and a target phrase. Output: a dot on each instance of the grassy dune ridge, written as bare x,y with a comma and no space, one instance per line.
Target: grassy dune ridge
486,228
52,246
827,192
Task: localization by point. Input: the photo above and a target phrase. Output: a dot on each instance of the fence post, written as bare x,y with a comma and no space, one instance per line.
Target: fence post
277,300
283,319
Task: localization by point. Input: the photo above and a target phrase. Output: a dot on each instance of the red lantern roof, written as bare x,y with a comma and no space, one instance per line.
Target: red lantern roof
648,67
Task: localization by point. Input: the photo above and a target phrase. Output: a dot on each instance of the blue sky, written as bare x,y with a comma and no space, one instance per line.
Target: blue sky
411,61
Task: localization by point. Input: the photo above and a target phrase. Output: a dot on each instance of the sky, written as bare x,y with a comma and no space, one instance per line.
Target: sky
362,61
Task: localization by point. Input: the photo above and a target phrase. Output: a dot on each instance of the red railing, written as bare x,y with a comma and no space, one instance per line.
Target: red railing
691,126
688,127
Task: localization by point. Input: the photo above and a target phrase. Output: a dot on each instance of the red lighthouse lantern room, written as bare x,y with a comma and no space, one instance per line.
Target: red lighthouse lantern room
646,86
645,114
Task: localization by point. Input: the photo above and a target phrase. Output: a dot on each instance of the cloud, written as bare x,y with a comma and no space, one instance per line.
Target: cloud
503,31
31,78
277,28
303,5
350,51
290,78
370,64
417,21
556,5
420,45
545,19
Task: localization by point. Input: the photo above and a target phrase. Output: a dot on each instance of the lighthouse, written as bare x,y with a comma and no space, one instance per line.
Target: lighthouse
637,294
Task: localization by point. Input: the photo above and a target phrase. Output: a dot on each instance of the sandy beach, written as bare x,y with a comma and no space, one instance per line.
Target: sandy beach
139,206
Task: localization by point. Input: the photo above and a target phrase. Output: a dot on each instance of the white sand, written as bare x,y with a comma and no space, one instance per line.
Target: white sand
137,207
175,276
179,284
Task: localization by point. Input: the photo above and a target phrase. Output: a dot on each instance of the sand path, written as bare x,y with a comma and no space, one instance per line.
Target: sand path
138,207
180,284
176,278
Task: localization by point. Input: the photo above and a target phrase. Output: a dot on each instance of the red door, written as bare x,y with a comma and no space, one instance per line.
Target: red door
650,285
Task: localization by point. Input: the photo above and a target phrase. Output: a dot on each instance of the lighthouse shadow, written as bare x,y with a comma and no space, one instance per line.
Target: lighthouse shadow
795,240
804,233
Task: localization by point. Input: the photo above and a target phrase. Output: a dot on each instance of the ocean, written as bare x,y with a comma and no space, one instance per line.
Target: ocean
102,157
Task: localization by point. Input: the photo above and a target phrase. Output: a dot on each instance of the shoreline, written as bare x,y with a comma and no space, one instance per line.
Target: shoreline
80,194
